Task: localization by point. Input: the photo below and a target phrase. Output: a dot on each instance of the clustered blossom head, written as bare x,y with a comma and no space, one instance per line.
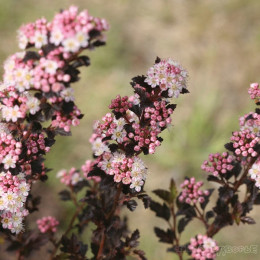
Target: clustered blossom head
130,170
169,76
47,224
13,193
191,192
69,178
135,123
50,70
218,164
37,100
203,247
10,150
36,144
120,105
254,92
250,122
69,30
254,173
244,143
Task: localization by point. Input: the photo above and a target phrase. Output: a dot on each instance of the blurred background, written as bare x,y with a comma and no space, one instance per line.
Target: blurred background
217,41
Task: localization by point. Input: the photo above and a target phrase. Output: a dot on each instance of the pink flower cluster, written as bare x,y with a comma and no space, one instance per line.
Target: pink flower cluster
47,224
191,193
17,105
254,91
203,247
66,121
36,144
130,170
69,178
13,194
120,105
69,30
218,164
10,149
244,143
169,75
137,122
159,115
50,69
250,122
37,89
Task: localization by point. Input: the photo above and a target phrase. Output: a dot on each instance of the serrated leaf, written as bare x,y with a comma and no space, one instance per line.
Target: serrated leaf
164,195
214,179
230,147
131,204
161,211
145,199
164,236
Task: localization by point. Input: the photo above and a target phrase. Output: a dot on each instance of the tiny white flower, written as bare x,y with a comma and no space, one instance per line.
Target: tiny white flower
119,135
120,123
16,220
5,222
19,201
10,198
118,157
82,39
71,45
136,184
257,182
11,113
18,228
68,94
20,85
9,162
76,178
51,66
2,204
209,243
56,37
39,39
61,173
152,81
23,41
19,74
24,189
8,79
9,64
99,147
254,172
106,165
33,105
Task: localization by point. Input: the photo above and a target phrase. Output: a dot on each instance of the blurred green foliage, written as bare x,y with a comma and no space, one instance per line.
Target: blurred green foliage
217,41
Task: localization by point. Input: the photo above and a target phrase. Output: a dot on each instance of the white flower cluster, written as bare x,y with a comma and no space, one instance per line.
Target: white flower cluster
168,75
13,194
28,104
131,170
